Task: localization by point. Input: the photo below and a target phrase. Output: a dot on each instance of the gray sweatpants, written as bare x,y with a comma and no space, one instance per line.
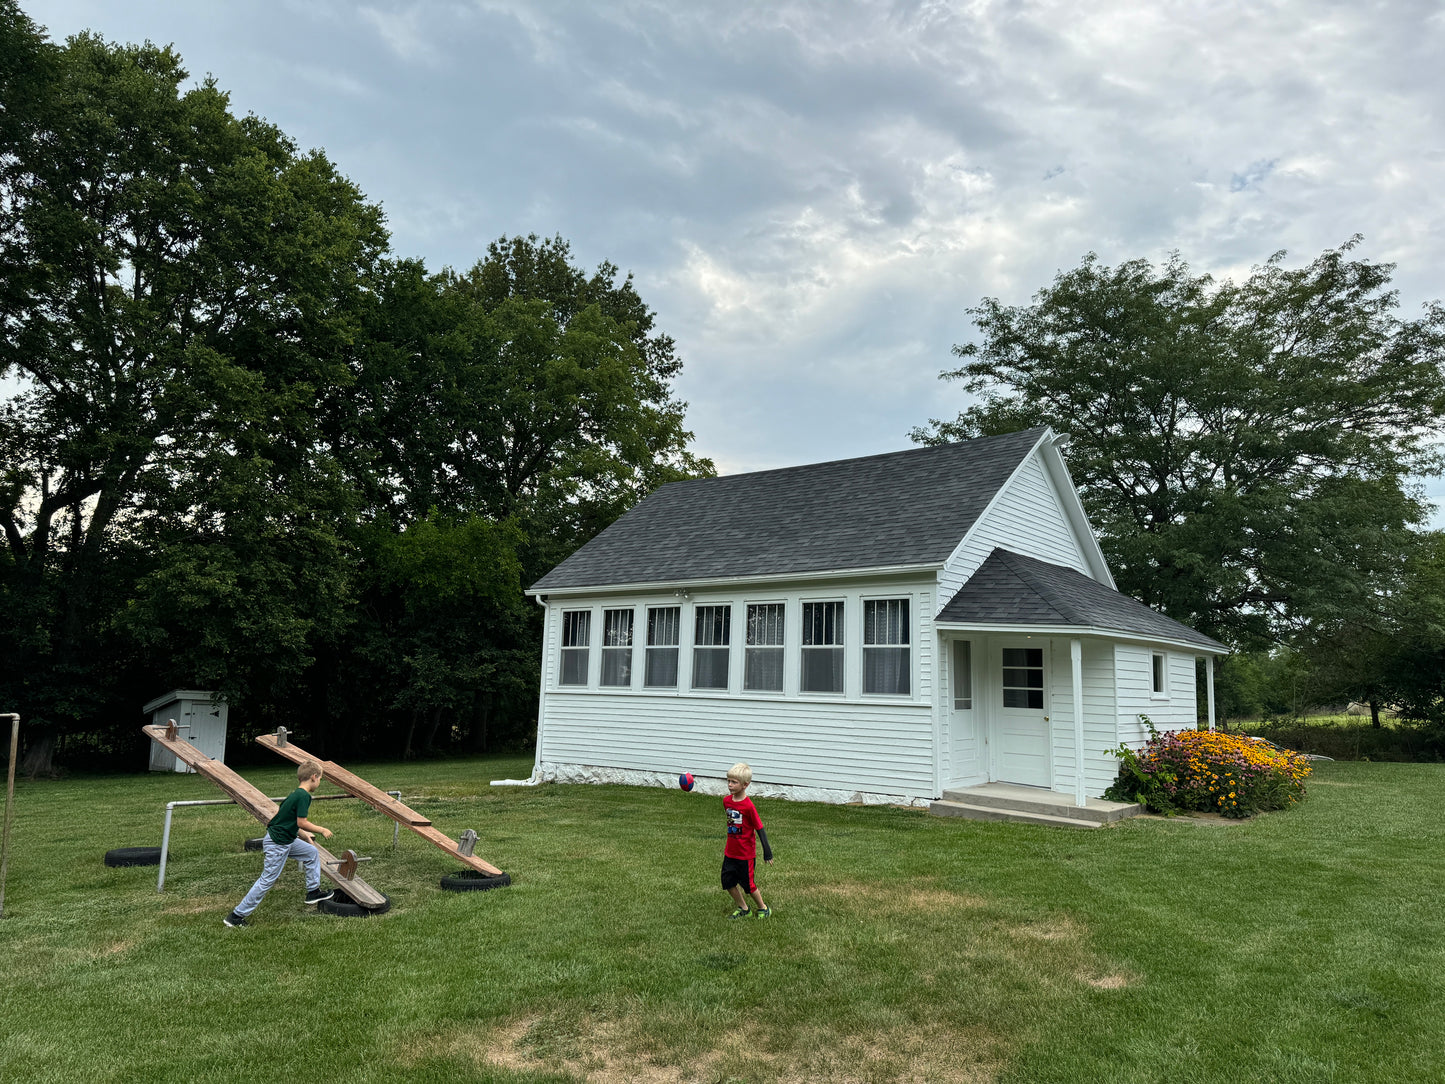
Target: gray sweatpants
276,855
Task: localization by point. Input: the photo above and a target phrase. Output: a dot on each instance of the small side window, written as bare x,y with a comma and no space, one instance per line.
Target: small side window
963,675
1160,674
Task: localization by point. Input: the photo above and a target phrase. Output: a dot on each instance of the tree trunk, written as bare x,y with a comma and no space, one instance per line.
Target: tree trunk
406,753
1375,713
430,744
39,758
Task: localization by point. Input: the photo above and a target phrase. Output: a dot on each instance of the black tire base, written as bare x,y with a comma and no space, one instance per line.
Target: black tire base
471,880
257,844
343,906
133,856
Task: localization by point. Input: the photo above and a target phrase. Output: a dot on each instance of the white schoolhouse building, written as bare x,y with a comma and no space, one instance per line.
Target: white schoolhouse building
878,629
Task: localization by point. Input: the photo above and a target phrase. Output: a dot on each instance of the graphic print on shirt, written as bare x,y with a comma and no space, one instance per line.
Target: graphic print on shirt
735,822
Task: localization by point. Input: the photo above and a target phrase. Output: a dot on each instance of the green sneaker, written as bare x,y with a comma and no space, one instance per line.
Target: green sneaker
741,912
765,912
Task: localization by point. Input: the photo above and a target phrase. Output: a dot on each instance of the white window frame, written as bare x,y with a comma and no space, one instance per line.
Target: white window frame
838,646
675,647
1042,689
621,654
724,648
905,627
776,648
1159,675
584,648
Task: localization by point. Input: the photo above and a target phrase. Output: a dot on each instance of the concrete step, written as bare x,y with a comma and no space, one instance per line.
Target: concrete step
1097,810
969,811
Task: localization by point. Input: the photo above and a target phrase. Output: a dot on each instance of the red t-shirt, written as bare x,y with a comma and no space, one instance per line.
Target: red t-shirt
743,823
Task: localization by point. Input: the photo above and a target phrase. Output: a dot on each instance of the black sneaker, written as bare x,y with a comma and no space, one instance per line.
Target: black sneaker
234,919
316,895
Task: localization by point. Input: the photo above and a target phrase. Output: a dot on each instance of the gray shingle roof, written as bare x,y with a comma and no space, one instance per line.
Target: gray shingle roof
902,508
1011,589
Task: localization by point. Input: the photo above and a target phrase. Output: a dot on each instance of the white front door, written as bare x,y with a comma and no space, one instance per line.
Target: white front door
1020,729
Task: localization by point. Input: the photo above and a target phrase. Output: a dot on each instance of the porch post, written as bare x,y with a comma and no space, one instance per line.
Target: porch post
1209,686
1076,660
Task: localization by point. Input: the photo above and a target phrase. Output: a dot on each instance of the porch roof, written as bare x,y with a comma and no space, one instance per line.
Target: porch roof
1011,589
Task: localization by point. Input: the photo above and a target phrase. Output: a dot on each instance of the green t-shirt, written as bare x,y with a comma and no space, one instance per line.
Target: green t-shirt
282,827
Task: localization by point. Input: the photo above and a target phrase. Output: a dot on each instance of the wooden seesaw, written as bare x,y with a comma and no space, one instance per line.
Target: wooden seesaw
382,802
341,872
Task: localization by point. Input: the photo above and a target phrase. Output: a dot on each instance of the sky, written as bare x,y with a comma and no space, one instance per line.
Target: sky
811,195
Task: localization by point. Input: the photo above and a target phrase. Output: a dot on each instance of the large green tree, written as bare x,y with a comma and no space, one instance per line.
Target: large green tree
179,289
1247,450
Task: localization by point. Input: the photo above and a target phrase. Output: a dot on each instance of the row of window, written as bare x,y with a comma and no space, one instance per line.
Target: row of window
886,660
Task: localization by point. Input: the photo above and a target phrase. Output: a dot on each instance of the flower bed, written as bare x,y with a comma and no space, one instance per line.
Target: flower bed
1209,771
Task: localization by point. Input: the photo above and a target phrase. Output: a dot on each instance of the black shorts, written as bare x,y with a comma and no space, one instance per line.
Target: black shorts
738,871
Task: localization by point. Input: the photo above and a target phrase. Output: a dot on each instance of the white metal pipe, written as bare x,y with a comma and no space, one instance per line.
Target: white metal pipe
1209,685
1076,660
170,806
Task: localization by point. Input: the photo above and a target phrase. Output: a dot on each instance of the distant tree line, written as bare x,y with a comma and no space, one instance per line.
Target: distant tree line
245,447
1251,454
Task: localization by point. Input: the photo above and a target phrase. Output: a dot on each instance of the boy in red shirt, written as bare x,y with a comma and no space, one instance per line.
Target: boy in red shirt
740,850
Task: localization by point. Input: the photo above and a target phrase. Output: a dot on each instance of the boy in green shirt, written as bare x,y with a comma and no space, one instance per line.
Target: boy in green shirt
288,835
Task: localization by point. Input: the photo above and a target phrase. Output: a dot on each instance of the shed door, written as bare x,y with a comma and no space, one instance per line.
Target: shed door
1020,716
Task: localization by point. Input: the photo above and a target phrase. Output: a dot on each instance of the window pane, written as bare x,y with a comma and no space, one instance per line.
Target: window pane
822,670
661,668
1023,656
963,674
1016,698
885,670
709,668
763,669
765,624
885,621
616,628
617,666
822,623
576,628
713,627
662,626
574,667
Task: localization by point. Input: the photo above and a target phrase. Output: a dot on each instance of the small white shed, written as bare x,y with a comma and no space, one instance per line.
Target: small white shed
198,709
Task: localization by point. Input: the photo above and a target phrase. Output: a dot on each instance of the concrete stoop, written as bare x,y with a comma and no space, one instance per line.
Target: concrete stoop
1030,805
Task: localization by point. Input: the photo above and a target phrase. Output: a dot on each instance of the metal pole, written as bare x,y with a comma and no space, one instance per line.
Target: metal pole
10,804
165,848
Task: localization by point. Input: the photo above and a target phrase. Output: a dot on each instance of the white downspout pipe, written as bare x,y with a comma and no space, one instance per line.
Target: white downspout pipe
1209,686
536,776
1076,660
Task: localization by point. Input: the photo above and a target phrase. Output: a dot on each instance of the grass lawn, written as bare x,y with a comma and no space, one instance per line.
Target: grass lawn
1304,946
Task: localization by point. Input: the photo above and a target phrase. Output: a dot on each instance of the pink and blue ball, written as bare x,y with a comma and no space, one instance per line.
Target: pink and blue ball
685,781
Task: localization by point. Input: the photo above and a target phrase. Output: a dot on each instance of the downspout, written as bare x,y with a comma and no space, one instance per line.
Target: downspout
1209,686
1076,659
536,776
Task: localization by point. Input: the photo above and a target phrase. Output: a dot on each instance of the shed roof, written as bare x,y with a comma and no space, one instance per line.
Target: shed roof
1011,589
881,511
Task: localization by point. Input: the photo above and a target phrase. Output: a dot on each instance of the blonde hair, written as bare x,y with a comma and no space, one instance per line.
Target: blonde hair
306,769
741,772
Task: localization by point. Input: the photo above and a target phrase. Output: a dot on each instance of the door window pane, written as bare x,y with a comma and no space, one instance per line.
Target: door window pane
962,675
1023,677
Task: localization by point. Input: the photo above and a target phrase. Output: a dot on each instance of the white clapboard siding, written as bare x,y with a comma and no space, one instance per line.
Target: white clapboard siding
1176,711
1027,518
847,745
1099,714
